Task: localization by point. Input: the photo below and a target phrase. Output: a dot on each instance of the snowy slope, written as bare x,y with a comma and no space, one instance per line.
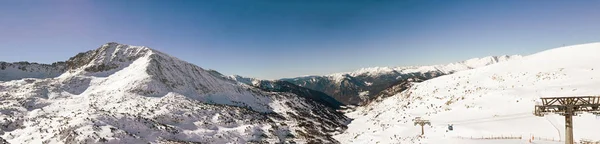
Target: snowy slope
495,100
133,94
444,68
20,70
363,85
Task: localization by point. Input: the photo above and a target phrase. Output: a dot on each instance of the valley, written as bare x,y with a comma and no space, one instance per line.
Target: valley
134,94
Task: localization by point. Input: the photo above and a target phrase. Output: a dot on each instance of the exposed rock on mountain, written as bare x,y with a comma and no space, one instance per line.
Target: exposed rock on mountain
133,94
395,89
284,86
20,70
2,141
362,85
492,101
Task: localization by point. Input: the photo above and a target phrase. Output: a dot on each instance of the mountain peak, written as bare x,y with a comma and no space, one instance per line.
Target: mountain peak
109,56
347,87
120,93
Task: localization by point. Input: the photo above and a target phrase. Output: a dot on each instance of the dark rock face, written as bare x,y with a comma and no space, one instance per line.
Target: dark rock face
317,118
296,113
396,88
360,86
347,90
19,70
2,141
284,86
80,59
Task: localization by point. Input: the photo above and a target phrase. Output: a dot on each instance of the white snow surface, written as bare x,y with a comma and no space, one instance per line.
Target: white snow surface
20,70
491,101
134,94
444,68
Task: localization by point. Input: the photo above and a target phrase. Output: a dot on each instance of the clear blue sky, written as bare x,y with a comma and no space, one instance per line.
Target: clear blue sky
272,39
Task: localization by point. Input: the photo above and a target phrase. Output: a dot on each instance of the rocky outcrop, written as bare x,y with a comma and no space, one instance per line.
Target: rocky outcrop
20,70
133,94
2,141
284,86
347,89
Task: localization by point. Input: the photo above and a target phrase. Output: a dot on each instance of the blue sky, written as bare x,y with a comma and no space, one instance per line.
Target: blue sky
272,39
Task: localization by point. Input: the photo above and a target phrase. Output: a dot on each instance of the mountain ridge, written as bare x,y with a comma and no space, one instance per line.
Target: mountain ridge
363,85
484,102
284,86
133,94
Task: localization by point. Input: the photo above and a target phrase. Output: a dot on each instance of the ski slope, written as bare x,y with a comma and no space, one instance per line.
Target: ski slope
495,100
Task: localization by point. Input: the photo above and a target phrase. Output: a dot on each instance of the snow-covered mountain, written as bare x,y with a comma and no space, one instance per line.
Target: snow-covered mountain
19,70
362,85
491,101
133,94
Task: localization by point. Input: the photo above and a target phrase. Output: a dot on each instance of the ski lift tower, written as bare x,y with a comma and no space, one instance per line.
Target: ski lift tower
568,107
422,122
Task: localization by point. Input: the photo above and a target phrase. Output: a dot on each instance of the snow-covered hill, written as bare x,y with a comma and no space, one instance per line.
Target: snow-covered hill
444,68
133,94
19,70
363,85
491,101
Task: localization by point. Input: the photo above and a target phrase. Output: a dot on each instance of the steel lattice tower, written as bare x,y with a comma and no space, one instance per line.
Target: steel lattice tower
568,107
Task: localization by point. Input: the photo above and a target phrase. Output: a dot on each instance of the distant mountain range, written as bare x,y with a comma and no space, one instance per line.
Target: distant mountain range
133,94
284,86
490,102
363,85
119,93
